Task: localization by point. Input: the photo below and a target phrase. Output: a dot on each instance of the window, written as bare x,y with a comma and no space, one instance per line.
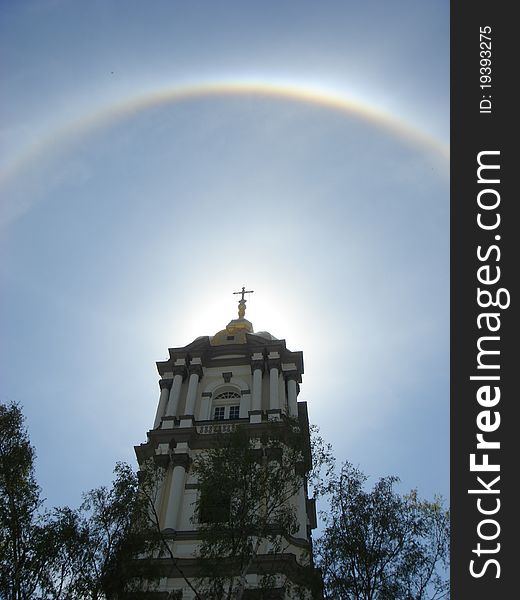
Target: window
226,406
219,413
227,396
214,508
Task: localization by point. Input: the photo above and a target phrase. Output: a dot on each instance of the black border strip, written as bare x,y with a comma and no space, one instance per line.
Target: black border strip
472,132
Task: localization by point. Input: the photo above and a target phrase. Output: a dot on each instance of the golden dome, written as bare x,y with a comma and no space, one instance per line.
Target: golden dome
234,333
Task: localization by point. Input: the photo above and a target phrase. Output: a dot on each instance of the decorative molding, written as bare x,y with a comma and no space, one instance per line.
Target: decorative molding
228,356
289,367
165,383
180,459
285,563
186,421
274,414
161,460
168,422
294,375
257,364
214,386
180,370
217,428
196,369
227,376
255,417
274,362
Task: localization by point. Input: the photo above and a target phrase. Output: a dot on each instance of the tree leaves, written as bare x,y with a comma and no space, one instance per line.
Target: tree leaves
67,554
379,545
376,545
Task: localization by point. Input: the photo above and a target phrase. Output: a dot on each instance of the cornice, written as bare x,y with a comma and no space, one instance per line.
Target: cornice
204,434
207,354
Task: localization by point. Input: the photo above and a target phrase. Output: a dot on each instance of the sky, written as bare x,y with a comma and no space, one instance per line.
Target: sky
156,156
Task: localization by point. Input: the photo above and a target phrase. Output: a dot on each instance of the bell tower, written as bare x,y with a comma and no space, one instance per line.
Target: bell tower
235,378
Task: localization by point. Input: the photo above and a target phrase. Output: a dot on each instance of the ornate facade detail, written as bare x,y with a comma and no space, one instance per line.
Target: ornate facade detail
258,364
217,428
180,370
183,460
165,384
196,369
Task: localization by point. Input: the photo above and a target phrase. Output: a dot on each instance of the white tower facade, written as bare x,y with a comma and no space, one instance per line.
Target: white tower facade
207,388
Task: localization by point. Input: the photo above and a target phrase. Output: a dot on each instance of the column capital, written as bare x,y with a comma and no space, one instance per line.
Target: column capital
291,376
182,460
196,369
180,370
274,362
165,383
161,460
257,364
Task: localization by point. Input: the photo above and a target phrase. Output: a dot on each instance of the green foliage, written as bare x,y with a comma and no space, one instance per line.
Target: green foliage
379,545
114,530
376,545
322,459
23,531
66,554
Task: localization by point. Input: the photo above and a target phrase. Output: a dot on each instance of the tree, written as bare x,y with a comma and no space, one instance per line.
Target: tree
115,541
376,545
246,513
379,545
23,529
67,554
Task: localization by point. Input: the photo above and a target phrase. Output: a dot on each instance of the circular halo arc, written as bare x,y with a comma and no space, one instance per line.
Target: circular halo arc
164,96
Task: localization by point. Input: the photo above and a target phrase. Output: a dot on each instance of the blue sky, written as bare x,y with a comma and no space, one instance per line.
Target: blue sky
130,213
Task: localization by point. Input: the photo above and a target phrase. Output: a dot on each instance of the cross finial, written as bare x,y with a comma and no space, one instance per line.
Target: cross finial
244,291
242,301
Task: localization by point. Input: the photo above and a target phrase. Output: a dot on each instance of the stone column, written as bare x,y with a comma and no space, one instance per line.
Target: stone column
204,406
195,371
176,490
245,404
161,459
292,392
257,368
273,360
179,373
301,513
165,385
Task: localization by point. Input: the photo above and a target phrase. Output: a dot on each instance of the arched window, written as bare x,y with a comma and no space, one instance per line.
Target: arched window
226,405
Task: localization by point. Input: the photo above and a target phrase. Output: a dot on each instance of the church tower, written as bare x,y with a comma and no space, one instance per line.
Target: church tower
237,378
